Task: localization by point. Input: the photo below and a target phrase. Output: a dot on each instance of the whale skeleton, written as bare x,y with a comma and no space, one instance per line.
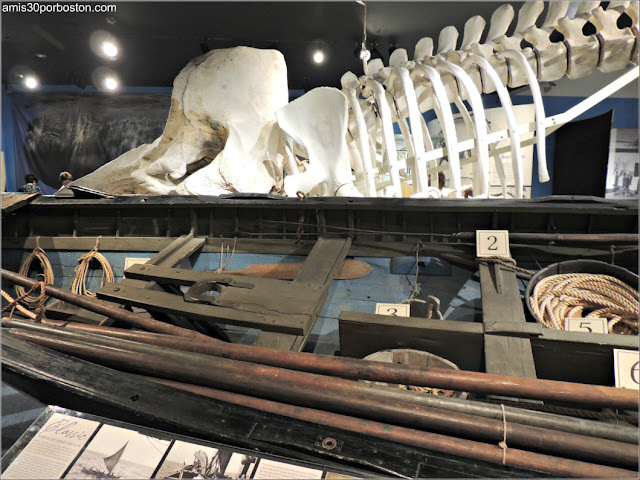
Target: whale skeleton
334,142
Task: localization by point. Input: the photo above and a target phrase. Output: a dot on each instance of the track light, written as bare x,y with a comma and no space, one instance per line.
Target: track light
111,83
31,82
109,49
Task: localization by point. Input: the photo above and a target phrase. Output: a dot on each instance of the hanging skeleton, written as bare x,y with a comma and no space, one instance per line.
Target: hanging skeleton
219,139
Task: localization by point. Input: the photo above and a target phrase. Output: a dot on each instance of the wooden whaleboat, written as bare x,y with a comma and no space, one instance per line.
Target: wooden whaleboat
188,230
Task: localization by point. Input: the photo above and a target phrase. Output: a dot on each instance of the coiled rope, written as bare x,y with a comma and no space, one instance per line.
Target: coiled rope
13,303
79,284
33,301
558,297
16,304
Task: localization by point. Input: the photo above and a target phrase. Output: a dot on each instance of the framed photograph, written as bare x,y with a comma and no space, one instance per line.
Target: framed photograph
622,167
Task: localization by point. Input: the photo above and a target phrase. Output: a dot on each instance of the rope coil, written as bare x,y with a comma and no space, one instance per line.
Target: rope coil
33,301
13,303
79,283
570,295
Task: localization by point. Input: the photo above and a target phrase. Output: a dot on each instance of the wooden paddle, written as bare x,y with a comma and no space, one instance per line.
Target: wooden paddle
287,271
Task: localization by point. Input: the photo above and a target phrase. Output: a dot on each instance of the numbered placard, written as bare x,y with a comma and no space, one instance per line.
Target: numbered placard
591,325
130,261
393,309
492,243
625,363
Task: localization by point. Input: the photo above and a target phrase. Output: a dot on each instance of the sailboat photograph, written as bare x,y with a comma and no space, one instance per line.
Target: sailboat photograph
110,462
119,453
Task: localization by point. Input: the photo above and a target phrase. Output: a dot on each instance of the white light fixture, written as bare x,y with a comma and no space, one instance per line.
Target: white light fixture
31,82
318,56
109,49
110,83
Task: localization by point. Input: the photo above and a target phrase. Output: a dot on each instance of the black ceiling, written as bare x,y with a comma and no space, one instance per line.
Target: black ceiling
157,39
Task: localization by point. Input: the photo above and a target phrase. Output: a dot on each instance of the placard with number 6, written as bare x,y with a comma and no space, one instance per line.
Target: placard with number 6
627,371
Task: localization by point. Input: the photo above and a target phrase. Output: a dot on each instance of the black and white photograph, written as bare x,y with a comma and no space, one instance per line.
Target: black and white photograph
240,466
119,453
189,460
622,168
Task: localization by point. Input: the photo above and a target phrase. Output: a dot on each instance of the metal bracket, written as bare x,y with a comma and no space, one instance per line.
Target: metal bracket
435,301
196,293
329,443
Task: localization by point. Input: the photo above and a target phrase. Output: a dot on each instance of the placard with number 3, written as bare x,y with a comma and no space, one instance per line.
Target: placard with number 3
393,309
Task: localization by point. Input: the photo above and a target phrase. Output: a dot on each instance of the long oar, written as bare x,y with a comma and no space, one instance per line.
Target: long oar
349,270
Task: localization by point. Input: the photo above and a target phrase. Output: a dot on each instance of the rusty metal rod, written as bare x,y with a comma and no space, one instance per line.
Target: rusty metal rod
457,380
412,437
561,237
342,396
104,308
580,426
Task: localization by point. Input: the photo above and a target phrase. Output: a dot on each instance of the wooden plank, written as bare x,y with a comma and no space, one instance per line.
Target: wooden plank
365,333
323,262
501,303
107,243
13,201
241,315
255,294
316,274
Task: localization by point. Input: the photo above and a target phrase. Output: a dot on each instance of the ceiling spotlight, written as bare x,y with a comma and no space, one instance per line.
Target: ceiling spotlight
30,82
318,56
109,49
110,83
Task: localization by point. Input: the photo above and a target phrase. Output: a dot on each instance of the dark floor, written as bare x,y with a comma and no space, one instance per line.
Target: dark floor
18,413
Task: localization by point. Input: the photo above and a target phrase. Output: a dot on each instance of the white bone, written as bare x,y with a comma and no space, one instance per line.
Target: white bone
473,29
583,52
514,136
543,173
480,126
318,120
387,134
290,156
349,84
374,65
617,44
585,8
424,48
417,138
212,122
445,116
398,57
552,57
447,40
500,21
527,16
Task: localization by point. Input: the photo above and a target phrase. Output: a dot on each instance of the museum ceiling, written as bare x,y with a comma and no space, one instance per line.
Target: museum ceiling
156,39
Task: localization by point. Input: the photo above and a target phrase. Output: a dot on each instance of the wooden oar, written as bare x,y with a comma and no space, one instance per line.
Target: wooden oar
287,271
